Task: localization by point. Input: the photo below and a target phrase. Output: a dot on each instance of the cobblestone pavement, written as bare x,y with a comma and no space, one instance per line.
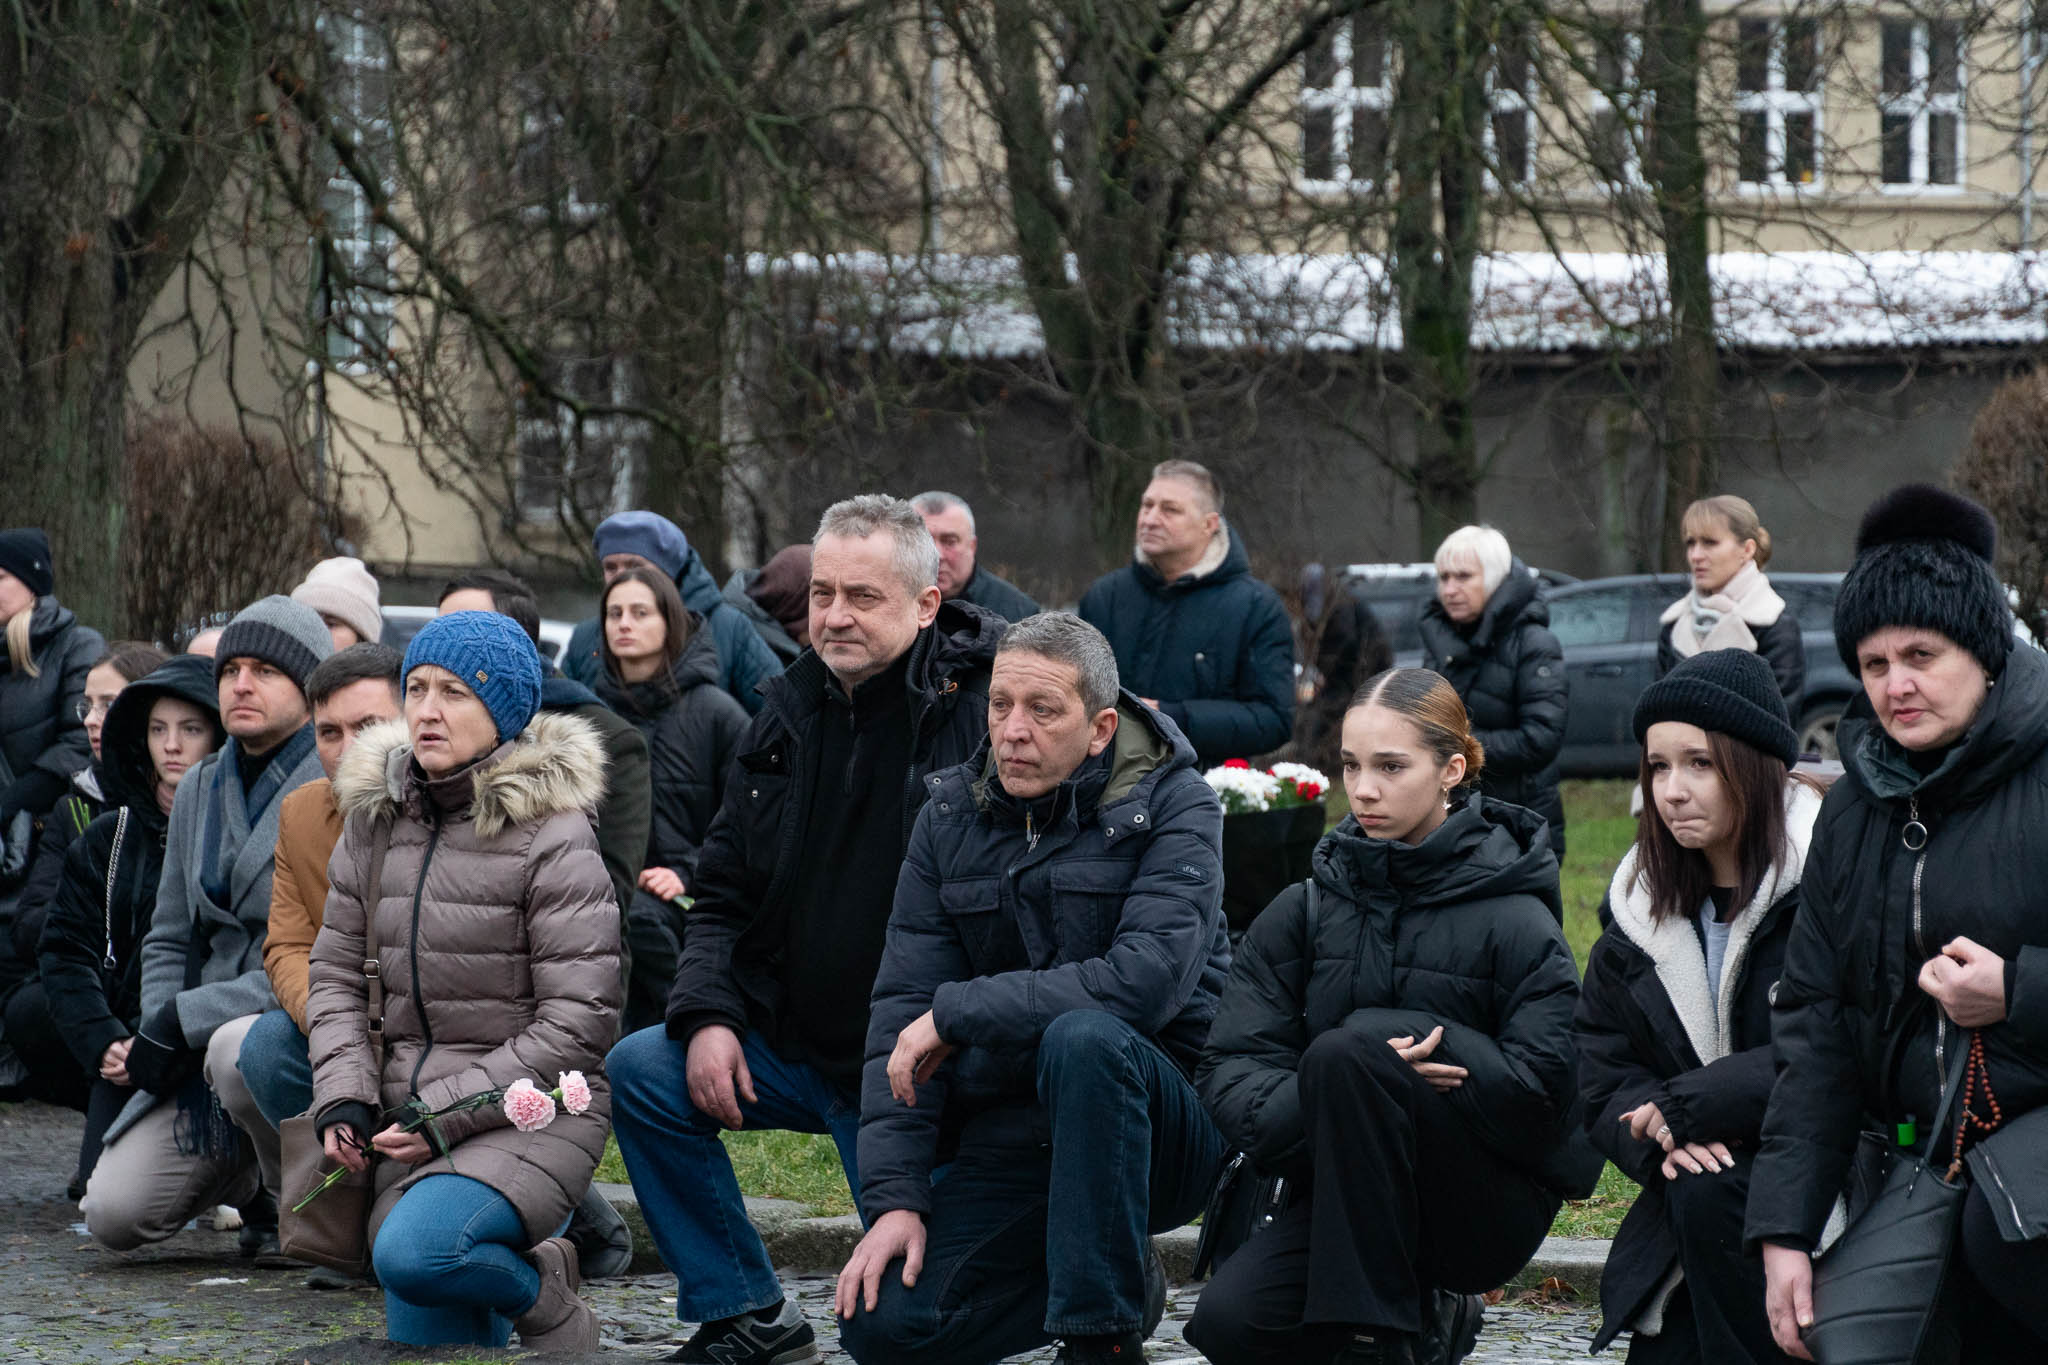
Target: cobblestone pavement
67,1302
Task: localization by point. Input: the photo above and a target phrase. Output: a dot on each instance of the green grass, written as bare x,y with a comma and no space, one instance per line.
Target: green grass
804,1167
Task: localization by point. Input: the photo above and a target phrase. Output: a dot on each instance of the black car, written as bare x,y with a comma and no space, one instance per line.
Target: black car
1609,628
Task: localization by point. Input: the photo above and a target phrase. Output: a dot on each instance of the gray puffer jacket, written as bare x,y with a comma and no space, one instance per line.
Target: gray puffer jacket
498,935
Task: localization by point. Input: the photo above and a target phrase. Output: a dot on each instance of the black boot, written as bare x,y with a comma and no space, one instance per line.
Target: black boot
1125,1348
1380,1348
1450,1329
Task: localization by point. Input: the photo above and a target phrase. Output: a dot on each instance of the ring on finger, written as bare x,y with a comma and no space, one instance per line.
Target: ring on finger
1664,1132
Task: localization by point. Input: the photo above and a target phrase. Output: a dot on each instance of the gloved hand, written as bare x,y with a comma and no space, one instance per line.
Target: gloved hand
159,1061
20,835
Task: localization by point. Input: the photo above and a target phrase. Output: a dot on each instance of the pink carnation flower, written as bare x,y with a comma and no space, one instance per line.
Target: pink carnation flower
529,1109
575,1092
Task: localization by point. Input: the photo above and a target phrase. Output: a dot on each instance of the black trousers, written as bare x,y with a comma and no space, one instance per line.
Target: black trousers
1717,1316
54,1075
653,935
2005,1308
1402,1199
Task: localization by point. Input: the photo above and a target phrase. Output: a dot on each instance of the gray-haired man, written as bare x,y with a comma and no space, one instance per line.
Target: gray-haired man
768,1017
951,522
1054,959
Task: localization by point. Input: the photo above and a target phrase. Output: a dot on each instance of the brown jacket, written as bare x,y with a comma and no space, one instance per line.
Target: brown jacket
498,939
308,828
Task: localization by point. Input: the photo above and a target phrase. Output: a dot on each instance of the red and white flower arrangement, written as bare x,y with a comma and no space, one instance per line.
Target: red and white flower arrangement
1245,789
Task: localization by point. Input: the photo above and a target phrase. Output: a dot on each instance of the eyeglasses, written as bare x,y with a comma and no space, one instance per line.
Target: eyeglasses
85,708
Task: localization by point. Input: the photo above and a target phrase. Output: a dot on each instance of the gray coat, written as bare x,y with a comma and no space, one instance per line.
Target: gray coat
232,981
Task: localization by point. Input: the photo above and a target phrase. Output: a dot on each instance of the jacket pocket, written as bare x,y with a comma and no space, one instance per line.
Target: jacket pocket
1087,905
973,906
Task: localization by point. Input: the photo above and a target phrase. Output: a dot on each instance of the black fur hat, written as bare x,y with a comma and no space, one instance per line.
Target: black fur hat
1923,558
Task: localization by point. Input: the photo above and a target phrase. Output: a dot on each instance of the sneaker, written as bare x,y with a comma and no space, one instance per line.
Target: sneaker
1451,1330
785,1339
1124,1348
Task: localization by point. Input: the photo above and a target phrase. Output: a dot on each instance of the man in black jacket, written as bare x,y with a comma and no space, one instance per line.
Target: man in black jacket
951,522
768,1018
1054,959
1194,633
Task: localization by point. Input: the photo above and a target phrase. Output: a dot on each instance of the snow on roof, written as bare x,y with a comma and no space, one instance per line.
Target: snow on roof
976,306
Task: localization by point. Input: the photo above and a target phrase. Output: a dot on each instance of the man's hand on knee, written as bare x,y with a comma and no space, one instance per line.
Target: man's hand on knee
718,1076
899,1232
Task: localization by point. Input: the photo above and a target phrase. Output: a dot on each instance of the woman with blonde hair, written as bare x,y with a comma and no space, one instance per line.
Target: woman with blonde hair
1732,605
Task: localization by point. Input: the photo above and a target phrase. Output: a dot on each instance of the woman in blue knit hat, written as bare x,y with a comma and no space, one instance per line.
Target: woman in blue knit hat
497,937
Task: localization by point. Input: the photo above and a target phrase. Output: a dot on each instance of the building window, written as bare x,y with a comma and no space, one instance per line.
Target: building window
551,178
1778,101
1347,93
1920,102
1618,109
1069,134
353,303
1511,97
585,468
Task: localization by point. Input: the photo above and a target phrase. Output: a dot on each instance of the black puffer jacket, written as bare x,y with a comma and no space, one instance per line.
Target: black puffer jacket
692,726
1874,911
1214,647
1509,669
41,735
91,945
1460,930
1649,1032
731,969
1117,907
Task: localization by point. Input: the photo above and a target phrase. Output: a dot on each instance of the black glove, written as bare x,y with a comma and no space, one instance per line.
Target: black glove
21,837
158,1060
349,1114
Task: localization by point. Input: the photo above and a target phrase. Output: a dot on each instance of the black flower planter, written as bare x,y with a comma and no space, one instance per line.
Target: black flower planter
1264,853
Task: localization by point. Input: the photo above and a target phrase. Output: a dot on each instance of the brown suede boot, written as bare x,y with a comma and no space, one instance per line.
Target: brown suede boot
559,1320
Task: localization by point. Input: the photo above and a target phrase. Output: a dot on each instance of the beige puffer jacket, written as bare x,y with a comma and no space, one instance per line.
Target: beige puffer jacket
495,913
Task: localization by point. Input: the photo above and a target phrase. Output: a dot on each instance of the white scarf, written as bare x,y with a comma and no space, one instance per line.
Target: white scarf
1724,620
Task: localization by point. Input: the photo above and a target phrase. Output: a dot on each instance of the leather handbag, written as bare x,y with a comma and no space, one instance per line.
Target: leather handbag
1878,1292
333,1229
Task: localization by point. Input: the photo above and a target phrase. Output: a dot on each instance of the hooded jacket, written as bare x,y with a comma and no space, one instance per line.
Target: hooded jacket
1509,669
733,942
498,941
1214,647
90,947
1873,911
1460,930
42,739
744,659
1117,907
692,729
1648,1032
772,632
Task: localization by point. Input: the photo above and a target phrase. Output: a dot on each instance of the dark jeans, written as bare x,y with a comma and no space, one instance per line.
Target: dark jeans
1025,1244
275,1067
54,1075
1717,1314
1402,1198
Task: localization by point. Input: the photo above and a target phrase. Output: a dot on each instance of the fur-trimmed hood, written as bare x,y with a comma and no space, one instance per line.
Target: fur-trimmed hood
1674,948
556,765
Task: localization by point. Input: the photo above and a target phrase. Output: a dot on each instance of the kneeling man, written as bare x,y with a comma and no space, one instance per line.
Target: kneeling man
1053,961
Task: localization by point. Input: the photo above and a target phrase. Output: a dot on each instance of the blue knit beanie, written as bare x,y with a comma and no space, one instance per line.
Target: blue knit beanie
492,656
650,535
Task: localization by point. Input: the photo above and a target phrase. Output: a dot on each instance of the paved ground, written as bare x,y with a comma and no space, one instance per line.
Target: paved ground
67,1302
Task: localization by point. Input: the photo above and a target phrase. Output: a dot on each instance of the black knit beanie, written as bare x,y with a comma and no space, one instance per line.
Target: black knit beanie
25,553
1728,691
1923,559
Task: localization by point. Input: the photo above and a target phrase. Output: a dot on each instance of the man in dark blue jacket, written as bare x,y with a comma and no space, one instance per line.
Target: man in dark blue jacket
1195,634
1053,961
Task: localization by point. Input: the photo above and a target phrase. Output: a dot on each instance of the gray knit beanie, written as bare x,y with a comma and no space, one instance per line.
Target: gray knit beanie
285,634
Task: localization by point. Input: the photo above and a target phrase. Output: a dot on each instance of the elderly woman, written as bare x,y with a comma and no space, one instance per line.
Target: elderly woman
1923,928
1489,633
498,939
1732,605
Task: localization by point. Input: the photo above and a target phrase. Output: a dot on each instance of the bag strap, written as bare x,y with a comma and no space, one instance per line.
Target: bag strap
373,973
1949,1091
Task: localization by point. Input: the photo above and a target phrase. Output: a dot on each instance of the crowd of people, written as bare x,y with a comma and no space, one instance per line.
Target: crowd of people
867,845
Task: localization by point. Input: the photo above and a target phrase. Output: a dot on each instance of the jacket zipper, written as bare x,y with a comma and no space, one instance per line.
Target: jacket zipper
1998,1178
1919,939
419,1000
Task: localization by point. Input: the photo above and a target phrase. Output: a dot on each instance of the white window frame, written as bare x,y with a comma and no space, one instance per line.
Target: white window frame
1775,102
1341,100
619,440
1920,104
542,128
358,47
1629,107
1508,100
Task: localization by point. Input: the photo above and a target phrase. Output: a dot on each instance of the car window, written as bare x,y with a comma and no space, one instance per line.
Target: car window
1596,617
1812,603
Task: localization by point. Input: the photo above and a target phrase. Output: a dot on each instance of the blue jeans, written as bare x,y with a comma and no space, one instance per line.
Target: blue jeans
683,1178
275,1067
448,1258
1025,1244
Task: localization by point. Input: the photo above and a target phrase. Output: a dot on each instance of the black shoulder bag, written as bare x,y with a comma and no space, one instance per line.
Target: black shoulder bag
1246,1200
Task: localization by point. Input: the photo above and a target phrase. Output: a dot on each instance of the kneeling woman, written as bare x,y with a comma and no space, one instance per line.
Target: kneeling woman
498,936
1396,1037
1675,1020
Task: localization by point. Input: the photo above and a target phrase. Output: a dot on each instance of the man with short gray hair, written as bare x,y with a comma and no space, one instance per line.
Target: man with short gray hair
1055,956
767,1020
951,522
